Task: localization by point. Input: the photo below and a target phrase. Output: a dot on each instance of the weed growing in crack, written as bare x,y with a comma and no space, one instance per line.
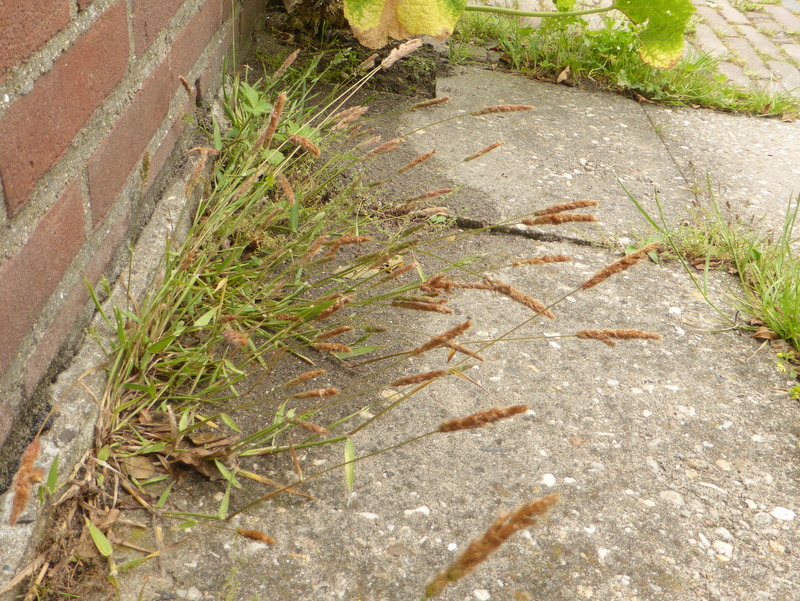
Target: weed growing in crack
285,279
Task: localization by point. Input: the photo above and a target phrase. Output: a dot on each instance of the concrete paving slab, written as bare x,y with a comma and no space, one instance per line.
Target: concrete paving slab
574,145
753,163
676,462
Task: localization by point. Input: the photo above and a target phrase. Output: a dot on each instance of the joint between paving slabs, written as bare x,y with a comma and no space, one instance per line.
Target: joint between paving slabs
467,223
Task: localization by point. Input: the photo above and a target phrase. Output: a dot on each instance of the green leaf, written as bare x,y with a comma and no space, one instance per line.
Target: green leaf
349,467
228,420
160,345
662,36
222,512
205,318
100,541
375,21
164,495
187,524
227,474
52,477
104,453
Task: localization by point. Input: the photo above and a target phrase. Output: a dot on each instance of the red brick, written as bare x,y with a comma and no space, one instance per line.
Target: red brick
29,277
26,26
64,323
117,157
38,128
195,36
82,4
149,17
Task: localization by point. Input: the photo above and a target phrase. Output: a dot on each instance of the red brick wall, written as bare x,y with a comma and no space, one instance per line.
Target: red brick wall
88,89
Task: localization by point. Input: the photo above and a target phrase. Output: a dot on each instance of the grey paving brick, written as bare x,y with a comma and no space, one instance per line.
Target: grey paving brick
731,14
790,76
752,62
767,24
715,21
789,21
735,74
793,50
707,42
760,42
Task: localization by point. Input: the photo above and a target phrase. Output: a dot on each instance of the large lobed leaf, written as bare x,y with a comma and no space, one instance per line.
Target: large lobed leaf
662,37
375,21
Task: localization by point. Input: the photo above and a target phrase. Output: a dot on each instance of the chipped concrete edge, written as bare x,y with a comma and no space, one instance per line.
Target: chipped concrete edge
76,393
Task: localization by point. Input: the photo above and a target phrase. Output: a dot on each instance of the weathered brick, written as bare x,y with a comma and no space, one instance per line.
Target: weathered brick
117,157
708,42
193,39
735,74
38,128
789,21
731,14
793,50
82,4
26,26
62,326
790,76
715,21
760,42
149,17
29,277
752,62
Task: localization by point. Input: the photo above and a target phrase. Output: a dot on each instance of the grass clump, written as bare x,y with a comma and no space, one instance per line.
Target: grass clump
571,51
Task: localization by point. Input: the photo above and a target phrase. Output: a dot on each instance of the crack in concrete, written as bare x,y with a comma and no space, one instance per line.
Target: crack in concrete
468,223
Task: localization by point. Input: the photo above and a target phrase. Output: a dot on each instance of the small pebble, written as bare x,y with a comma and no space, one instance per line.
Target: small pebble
481,594
423,509
548,480
783,514
672,497
724,465
369,516
723,533
723,548
776,547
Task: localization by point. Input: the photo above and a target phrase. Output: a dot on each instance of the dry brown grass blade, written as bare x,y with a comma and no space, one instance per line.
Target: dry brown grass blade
272,483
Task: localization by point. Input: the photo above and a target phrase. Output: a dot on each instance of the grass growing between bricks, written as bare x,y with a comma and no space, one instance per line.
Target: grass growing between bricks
573,53
293,262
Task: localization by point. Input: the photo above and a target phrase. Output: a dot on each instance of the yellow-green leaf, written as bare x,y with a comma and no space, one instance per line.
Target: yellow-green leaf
374,21
100,541
662,36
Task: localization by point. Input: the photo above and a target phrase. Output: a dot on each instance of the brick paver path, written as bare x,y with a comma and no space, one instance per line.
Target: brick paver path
758,43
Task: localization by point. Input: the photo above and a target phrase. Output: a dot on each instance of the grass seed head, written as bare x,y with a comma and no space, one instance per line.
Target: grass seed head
541,260
286,64
502,108
559,218
483,151
567,206
619,266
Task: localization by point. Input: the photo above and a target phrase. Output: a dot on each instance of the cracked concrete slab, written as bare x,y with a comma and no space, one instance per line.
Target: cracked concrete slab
676,460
